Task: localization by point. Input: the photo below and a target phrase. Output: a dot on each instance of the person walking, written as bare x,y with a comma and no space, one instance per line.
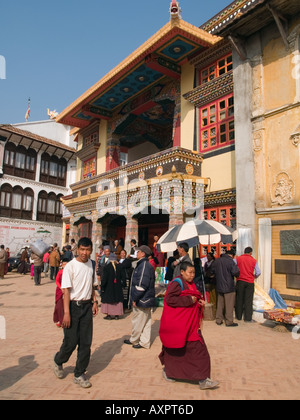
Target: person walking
54,261
58,314
133,249
159,255
142,296
170,270
67,254
117,248
225,270
249,271
184,353
22,269
78,285
112,281
38,264
7,261
46,263
183,250
74,247
3,260
126,266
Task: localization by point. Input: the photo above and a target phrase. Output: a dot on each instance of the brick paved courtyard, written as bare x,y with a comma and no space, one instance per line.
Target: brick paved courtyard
252,361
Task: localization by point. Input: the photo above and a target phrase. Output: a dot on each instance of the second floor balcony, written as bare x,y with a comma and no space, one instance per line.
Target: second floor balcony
169,164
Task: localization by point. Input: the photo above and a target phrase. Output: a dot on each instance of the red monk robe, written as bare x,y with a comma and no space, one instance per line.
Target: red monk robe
58,314
184,353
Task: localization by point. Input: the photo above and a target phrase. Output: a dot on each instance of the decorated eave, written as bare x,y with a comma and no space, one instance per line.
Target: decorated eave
231,13
211,91
35,141
161,56
244,17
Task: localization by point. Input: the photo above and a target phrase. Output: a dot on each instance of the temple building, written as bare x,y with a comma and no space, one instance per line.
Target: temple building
198,122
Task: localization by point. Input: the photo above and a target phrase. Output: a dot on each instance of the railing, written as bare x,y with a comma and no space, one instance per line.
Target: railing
176,159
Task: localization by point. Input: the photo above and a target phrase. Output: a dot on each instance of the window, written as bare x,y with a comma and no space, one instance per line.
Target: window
19,161
89,168
123,158
217,124
225,215
6,193
17,196
53,170
222,66
28,200
91,139
49,207
16,202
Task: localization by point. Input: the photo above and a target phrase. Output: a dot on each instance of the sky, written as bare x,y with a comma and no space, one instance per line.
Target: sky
53,51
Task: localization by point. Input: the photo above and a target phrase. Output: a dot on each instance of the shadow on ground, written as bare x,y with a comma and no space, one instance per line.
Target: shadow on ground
11,375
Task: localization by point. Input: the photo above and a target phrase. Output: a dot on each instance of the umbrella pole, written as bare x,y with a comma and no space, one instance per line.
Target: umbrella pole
204,289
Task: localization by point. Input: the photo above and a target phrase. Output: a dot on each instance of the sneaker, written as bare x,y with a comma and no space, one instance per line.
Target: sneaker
58,371
82,381
166,377
208,384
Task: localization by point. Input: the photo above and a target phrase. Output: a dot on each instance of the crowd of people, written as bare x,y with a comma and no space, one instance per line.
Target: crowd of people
127,282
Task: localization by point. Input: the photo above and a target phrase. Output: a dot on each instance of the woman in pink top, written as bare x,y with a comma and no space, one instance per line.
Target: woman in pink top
46,263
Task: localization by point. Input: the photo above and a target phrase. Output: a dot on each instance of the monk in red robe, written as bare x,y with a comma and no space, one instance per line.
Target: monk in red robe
184,353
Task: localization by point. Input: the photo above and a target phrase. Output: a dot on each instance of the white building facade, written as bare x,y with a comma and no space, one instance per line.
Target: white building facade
37,165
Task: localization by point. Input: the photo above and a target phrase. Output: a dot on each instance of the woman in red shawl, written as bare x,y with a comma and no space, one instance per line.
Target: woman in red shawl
184,352
58,314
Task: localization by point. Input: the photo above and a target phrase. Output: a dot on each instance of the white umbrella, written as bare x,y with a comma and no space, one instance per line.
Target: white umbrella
195,232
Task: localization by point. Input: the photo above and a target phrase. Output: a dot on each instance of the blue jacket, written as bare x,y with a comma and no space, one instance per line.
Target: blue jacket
142,284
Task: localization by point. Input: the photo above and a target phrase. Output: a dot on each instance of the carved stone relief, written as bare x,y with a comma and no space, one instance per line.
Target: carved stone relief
295,137
283,189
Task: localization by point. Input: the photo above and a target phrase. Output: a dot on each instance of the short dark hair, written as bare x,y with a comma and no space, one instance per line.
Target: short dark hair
86,242
185,265
248,250
230,252
185,246
133,241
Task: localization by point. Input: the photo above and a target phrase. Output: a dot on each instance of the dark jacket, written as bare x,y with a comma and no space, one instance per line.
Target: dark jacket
126,266
176,272
142,284
225,269
111,284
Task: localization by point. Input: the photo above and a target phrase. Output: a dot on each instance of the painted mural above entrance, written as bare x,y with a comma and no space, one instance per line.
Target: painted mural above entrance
158,58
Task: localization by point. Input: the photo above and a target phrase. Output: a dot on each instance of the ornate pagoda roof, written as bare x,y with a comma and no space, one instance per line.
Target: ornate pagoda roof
160,56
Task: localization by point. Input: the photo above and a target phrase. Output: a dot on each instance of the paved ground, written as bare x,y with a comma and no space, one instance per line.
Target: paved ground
252,361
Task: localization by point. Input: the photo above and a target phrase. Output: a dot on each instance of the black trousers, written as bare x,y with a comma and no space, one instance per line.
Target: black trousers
37,274
244,300
79,334
53,272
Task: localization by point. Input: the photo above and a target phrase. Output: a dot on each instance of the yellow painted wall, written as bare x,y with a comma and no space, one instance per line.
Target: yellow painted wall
277,118
79,163
281,155
221,170
101,156
187,109
279,86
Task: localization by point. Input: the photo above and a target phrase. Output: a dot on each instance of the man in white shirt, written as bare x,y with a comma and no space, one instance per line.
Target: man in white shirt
78,284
